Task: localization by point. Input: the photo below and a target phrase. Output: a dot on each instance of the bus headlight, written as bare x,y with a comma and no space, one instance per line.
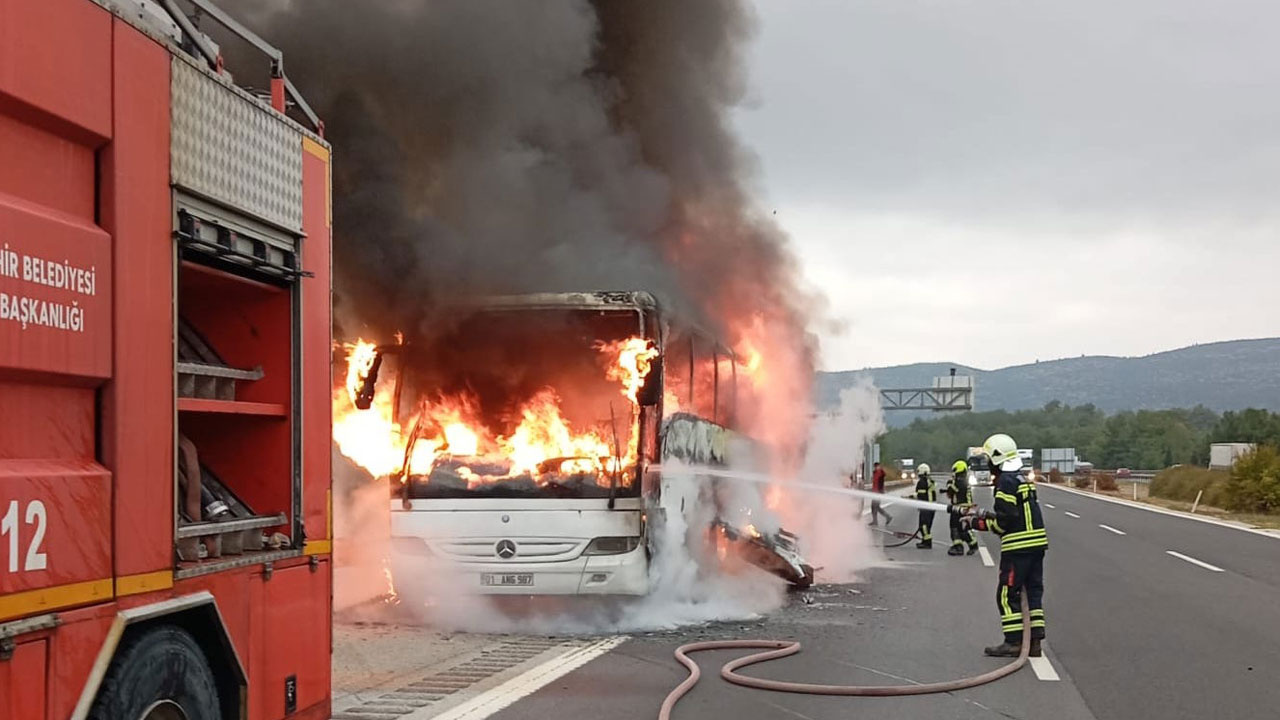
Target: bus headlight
612,545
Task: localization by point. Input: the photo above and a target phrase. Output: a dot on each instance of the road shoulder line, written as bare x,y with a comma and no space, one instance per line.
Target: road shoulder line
1163,511
1044,669
986,556
504,695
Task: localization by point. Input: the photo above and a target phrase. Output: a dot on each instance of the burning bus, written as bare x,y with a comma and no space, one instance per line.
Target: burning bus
525,440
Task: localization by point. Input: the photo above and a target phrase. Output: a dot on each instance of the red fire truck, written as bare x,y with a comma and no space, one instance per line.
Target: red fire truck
164,371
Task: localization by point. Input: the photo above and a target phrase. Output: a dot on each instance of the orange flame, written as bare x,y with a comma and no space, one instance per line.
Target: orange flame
632,361
360,357
391,597
449,427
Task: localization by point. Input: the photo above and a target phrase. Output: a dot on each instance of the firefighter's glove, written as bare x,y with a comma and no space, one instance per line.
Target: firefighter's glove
980,517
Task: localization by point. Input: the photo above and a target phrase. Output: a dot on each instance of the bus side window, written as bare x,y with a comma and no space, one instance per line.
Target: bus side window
677,375
726,388
704,378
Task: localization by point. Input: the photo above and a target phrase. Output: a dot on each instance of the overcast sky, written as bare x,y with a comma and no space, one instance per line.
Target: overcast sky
1117,162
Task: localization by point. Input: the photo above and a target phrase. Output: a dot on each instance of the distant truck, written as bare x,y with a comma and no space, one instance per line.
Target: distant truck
1222,456
907,468
979,468
1028,461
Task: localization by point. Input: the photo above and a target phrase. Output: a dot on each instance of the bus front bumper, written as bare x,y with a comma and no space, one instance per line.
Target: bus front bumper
622,574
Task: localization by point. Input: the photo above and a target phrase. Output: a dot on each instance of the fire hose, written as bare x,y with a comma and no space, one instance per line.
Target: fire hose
909,537
775,649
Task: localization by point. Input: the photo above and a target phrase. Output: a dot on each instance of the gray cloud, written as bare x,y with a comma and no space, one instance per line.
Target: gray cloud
1121,154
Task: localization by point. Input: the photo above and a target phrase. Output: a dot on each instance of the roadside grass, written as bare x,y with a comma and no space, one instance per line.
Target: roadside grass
1125,491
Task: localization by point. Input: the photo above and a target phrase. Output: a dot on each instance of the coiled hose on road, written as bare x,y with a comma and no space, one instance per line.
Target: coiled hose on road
775,649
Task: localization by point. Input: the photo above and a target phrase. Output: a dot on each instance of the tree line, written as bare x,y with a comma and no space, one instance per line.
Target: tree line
1142,439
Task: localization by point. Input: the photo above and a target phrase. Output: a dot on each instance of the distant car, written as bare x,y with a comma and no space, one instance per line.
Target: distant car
1124,473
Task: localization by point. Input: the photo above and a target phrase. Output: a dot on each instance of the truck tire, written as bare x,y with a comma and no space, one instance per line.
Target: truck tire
158,674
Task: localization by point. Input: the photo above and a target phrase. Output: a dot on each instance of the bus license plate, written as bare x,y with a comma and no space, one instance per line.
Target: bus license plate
519,579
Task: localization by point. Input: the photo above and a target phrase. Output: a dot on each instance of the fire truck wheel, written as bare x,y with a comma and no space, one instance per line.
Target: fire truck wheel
158,674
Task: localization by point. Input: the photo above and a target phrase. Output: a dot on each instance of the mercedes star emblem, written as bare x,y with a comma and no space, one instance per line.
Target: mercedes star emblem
505,549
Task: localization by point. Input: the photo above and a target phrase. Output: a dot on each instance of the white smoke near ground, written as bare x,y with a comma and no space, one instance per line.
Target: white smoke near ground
362,536
690,583
833,535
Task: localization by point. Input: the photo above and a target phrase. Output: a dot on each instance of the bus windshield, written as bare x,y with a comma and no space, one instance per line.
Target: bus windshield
526,403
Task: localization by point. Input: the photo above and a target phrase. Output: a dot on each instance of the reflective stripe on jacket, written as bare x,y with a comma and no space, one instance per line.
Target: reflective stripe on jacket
958,490
1018,521
926,490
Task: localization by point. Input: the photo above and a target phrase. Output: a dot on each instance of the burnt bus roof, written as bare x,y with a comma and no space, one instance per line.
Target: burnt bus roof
598,300
603,300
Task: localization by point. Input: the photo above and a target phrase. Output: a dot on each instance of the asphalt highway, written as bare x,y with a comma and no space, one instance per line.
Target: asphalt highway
1158,616
919,617
1150,616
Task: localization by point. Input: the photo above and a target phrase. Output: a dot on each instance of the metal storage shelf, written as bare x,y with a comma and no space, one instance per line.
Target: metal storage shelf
204,529
195,568
233,407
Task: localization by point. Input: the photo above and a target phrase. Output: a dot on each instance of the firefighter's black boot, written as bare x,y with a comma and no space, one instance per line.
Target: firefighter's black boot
1008,649
955,550
1004,649
972,549
925,544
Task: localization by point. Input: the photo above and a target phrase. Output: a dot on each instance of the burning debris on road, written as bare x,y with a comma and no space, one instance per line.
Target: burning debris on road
777,553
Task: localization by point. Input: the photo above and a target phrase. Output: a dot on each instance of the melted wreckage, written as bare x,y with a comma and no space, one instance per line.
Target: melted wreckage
691,440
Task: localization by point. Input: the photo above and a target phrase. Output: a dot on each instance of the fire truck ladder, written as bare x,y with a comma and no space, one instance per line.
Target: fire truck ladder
282,89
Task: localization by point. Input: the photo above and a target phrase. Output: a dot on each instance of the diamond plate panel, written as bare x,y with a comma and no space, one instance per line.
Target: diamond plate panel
230,149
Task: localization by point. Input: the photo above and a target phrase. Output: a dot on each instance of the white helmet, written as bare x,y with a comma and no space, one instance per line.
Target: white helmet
923,469
1000,448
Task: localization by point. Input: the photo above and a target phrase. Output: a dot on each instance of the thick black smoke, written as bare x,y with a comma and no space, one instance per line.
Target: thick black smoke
490,146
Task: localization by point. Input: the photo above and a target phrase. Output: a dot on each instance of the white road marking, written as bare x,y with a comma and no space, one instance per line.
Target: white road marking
1194,561
1070,514
502,696
1051,507
1273,534
1044,669
986,556
1111,529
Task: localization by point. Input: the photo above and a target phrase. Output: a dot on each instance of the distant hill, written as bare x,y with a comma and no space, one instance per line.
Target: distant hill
1221,376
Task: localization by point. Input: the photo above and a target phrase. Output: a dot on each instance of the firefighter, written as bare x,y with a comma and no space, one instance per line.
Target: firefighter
959,493
1023,541
925,490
